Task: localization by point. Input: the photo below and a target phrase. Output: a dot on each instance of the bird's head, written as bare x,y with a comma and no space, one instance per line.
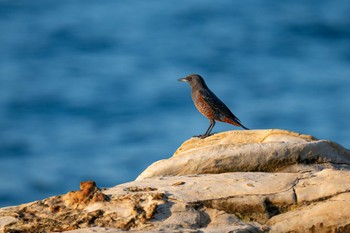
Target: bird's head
194,80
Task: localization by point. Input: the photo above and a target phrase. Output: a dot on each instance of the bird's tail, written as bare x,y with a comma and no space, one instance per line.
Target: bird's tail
243,126
235,122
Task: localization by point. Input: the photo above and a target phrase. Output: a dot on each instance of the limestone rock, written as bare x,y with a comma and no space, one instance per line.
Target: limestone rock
236,202
331,215
87,194
80,209
247,151
240,181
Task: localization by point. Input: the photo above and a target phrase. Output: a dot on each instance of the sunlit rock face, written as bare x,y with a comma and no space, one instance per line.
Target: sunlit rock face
237,181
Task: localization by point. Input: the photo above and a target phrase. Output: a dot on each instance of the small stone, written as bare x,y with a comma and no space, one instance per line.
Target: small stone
178,183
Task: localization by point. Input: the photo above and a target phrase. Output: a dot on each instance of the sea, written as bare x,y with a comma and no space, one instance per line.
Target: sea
89,90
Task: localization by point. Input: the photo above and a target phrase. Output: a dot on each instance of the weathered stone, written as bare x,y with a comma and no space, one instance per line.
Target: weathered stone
87,194
223,183
247,202
253,150
81,209
332,215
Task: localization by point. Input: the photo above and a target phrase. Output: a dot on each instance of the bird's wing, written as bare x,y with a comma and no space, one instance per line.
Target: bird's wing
210,98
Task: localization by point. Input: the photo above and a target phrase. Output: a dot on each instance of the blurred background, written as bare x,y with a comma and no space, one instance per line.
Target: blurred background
89,90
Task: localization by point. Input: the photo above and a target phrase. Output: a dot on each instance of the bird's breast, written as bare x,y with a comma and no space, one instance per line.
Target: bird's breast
202,106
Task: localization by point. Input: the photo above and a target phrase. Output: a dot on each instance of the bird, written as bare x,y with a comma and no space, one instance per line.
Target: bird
209,104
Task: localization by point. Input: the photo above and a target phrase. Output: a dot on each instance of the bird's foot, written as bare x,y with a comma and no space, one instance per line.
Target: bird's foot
202,136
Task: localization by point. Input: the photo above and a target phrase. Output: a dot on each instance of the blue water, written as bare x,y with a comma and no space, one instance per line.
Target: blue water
88,88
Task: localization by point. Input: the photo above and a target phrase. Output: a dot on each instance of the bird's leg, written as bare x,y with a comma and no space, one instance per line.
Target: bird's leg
207,133
211,126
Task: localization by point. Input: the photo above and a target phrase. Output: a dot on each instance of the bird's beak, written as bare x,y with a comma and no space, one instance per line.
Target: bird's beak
183,80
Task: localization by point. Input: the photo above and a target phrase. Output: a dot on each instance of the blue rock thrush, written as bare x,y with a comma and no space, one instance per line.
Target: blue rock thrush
209,104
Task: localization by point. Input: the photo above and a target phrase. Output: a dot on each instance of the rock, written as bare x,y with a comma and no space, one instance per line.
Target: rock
331,215
80,209
87,194
250,151
253,181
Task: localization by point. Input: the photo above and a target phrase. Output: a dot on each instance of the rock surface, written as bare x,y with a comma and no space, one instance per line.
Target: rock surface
238,181
250,151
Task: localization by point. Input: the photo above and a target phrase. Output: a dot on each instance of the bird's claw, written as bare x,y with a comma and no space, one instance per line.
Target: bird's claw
202,136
